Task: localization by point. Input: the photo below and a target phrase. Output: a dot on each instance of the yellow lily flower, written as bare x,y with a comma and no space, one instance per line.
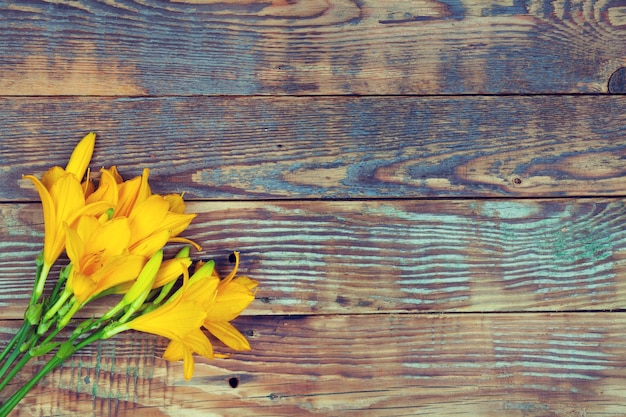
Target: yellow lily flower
222,301
203,301
173,320
63,201
233,295
100,256
169,271
200,287
155,219
179,319
123,195
194,342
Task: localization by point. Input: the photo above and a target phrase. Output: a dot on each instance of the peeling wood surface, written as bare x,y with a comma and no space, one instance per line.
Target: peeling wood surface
351,147
390,365
240,47
430,193
432,255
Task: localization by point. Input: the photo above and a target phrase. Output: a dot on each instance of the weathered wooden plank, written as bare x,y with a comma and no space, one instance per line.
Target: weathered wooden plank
372,365
251,148
371,256
309,47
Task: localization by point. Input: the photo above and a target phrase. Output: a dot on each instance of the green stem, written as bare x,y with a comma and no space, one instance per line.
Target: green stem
40,266
18,366
52,364
15,352
13,341
10,404
59,303
40,280
57,287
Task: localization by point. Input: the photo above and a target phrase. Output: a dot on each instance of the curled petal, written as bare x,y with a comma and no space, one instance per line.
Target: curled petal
230,302
177,204
188,363
52,175
228,334
170,270
174,351
247,282
232,274
176,222
49,220
115,174
194,342
185,240
107,189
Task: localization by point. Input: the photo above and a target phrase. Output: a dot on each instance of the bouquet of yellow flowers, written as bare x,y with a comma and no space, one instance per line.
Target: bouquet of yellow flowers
114,237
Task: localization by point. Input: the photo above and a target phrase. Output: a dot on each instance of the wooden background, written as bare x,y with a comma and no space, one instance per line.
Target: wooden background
431,194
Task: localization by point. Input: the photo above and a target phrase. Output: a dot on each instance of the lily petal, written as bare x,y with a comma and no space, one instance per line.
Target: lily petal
177,204
116,271
170,270
127,196
108,189
49,221
172,320
194,342
150,244
230,301
52,175
147,216
112,238
176,223
228,334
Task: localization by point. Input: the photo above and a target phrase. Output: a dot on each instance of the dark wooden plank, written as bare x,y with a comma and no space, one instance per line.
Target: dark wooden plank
251,148
367,257
492,365
309,47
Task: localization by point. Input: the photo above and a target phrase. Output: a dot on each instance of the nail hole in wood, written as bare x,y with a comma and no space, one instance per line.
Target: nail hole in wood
232,258
517,180
233,382
617,82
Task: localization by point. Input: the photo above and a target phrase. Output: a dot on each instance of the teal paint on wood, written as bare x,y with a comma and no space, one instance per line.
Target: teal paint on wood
427,255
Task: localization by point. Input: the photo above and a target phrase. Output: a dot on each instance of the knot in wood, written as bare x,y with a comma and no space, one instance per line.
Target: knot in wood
617,81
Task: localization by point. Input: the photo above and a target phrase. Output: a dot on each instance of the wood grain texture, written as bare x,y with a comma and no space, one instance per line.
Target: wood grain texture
531,365
391,256
457,253
356,147
241,47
